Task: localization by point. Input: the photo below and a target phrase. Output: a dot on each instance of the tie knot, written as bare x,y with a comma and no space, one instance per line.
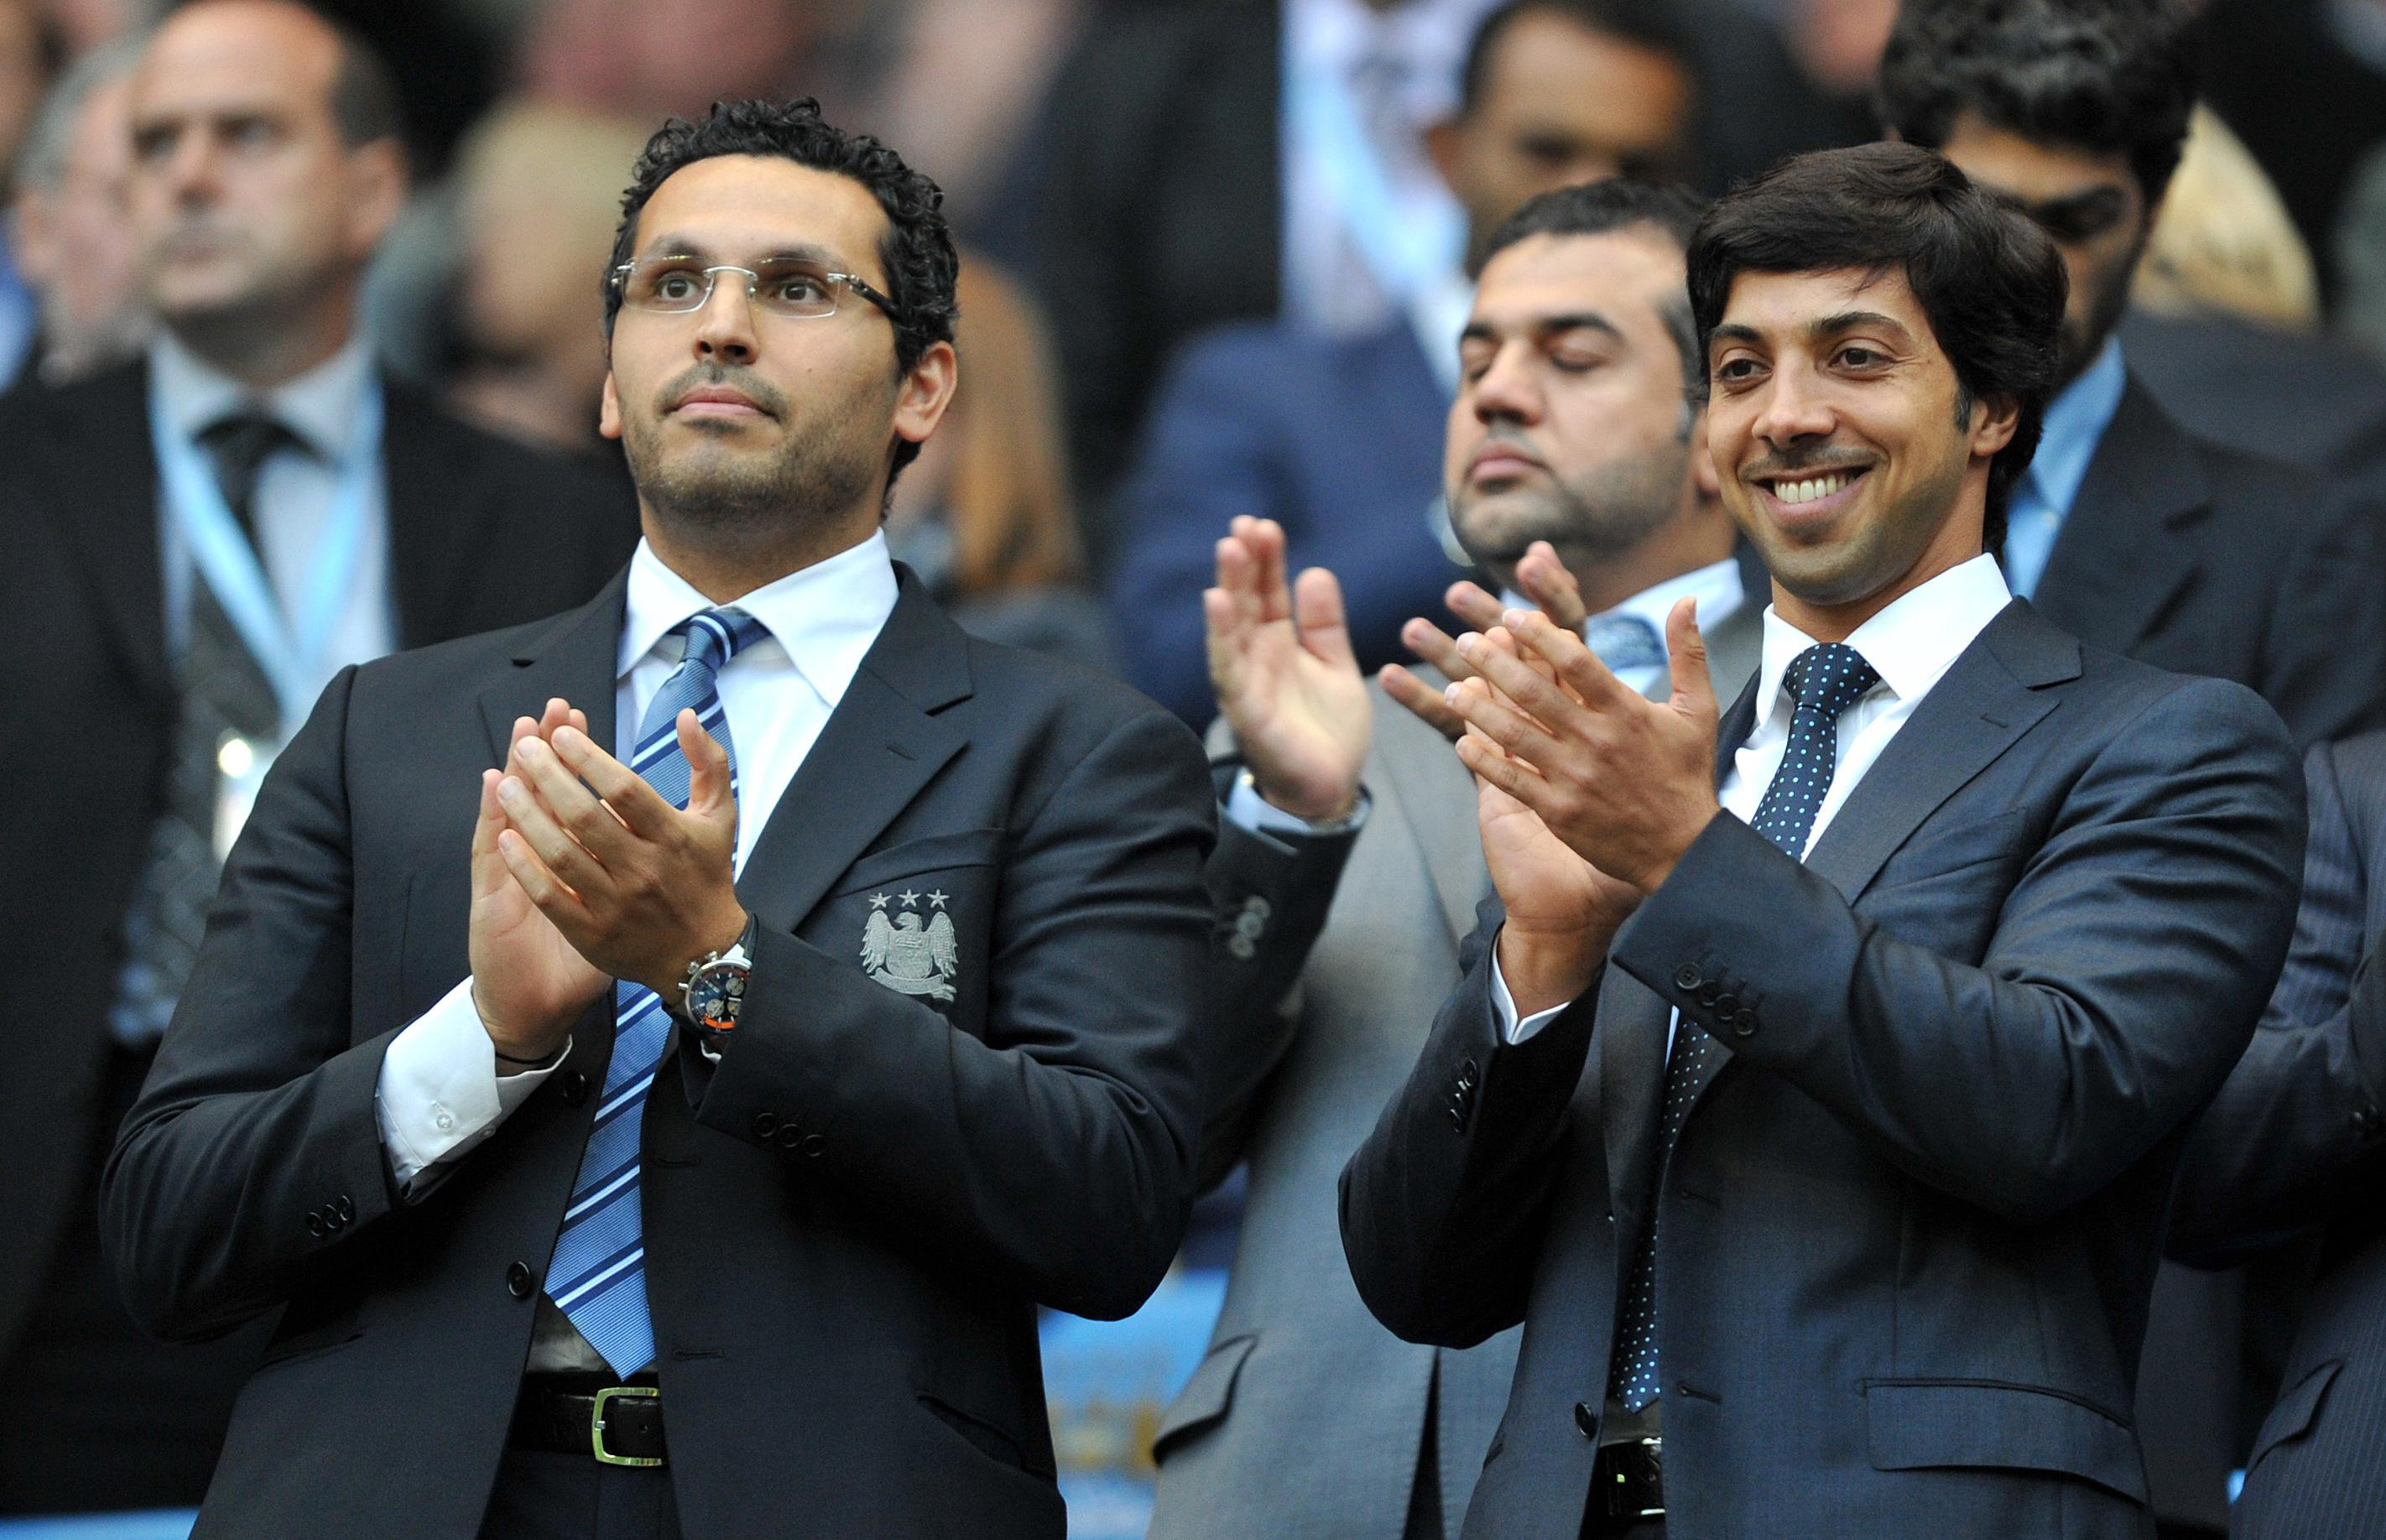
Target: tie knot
717,635
1624,642
1829,678
241,443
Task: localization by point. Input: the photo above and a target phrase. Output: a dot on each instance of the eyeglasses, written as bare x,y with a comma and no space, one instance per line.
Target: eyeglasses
788,287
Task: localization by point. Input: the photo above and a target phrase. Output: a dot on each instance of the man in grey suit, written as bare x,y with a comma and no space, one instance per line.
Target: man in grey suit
1815,1090
1569,446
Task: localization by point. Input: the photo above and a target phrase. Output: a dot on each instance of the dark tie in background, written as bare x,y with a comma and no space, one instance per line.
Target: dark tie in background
1825,681
223,693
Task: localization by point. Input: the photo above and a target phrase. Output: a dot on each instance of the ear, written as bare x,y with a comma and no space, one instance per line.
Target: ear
608,409
377,179
924,393
1994,419
1442,143
1702,466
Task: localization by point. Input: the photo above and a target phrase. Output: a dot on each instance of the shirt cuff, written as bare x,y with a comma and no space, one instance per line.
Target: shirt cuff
1510,1028
1255,814
440,1093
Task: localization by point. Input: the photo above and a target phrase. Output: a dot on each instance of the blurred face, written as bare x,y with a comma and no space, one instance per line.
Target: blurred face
76,243
22,77
1561,104
738,420
245,200
2089,204
1569,425
1835,427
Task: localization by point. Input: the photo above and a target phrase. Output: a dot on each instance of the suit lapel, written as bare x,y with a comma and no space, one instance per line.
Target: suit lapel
105,495
1988,700
2118,561
576,657
1435,797
1633,1021
881,746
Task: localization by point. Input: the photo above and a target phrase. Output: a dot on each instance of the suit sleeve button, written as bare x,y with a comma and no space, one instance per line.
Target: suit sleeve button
518,1281
811,1146
1688,977
315,1225
348,1209
765,1124
1457,1121
1744,1024
1726,1006
790,1136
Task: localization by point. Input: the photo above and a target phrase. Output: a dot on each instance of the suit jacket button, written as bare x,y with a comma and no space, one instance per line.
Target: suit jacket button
765,1124
1688,977
811,1146
315,1225
1744,1024
518,1281
1585,1416
575,1088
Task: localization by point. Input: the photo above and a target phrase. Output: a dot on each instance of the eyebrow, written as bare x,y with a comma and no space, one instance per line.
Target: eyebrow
674,244
1572,320
1818,330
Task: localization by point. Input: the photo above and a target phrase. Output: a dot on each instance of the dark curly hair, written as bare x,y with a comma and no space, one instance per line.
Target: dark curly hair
1989,281
2106,76
921,265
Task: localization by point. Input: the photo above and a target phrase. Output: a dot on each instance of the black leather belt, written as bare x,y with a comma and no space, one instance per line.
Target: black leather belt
578,1414
1628,1485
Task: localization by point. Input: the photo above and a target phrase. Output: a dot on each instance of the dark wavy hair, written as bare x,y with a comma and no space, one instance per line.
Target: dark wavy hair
921,265
2106,76
1990,283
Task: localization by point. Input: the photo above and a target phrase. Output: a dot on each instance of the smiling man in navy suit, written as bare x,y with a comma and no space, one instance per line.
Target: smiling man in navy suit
1816,1087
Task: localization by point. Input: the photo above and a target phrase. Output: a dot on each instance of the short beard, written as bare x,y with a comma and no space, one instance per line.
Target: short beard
812,483
2107,306
1596,517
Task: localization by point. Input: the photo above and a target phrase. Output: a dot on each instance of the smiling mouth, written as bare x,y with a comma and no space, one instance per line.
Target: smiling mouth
1812,489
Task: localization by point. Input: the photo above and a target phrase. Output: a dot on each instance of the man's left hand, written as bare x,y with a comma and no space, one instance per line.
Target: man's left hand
640,888
1626,783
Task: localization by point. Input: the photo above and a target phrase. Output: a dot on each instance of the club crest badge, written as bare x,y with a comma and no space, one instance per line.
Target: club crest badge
910,950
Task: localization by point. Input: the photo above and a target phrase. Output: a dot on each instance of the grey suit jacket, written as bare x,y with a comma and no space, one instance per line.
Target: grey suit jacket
1306,1417
1907,1235
2294,1148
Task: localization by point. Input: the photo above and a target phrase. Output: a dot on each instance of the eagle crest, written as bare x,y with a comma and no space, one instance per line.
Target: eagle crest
904,954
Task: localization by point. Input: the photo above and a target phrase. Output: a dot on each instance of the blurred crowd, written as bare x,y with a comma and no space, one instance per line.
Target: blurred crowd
1216,255
1132,176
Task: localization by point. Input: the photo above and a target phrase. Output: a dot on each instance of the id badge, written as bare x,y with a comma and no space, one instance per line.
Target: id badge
241,764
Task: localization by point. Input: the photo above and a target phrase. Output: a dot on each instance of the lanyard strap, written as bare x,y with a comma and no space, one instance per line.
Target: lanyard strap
291,657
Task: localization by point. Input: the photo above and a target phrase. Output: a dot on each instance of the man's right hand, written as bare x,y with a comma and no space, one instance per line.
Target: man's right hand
1280,661
529,985
1540,576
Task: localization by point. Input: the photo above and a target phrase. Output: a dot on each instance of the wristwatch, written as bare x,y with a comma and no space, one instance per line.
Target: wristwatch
714,990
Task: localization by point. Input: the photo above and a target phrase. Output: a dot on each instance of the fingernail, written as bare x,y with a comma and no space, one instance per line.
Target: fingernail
1449,693
1467,644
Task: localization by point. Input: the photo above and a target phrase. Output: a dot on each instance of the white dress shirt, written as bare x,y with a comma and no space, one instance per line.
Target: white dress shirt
294,494
1911,644
440,1093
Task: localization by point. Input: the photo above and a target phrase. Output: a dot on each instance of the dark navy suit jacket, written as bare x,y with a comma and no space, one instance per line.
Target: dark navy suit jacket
2294,1147
1341,442
1909,1231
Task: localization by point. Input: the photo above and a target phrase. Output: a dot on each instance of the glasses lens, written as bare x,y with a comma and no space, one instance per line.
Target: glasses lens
670,284
786,287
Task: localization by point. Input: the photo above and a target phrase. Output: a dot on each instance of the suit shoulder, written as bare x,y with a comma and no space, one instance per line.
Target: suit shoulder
1061,694
2130,696
466,663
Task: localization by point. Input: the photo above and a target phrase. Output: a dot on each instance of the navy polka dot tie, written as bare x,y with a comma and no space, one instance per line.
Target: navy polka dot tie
1825,681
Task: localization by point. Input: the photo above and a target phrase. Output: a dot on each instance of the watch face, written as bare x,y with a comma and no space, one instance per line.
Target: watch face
714,997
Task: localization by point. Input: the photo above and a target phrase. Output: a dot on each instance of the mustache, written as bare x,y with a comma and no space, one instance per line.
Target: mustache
1806,463
745,382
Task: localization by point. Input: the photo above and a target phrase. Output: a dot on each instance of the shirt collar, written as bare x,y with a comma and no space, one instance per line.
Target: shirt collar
318,406
1716,586
823,617
1911,644
2075,421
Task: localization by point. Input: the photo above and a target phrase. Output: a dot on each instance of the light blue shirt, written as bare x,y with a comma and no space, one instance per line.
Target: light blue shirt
2075,421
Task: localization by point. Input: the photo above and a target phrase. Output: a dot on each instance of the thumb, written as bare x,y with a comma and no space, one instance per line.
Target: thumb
1685,658
709,794
1318,613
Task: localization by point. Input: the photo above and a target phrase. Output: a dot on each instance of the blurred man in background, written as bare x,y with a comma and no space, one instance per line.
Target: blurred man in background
1572,436
26,64
1336,439
2127,532
75,243
197,541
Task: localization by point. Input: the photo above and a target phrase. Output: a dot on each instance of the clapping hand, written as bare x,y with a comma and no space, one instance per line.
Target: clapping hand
1540,576
529,983
1281,664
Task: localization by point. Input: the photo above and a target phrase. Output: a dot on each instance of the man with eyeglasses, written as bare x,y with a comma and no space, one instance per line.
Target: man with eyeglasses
682,1136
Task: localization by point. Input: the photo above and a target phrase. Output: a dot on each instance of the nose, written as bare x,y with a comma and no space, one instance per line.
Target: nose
192,168
1793,408
724,325
1507,391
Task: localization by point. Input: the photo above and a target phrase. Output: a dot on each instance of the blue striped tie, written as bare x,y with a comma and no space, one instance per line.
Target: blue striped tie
599,1276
